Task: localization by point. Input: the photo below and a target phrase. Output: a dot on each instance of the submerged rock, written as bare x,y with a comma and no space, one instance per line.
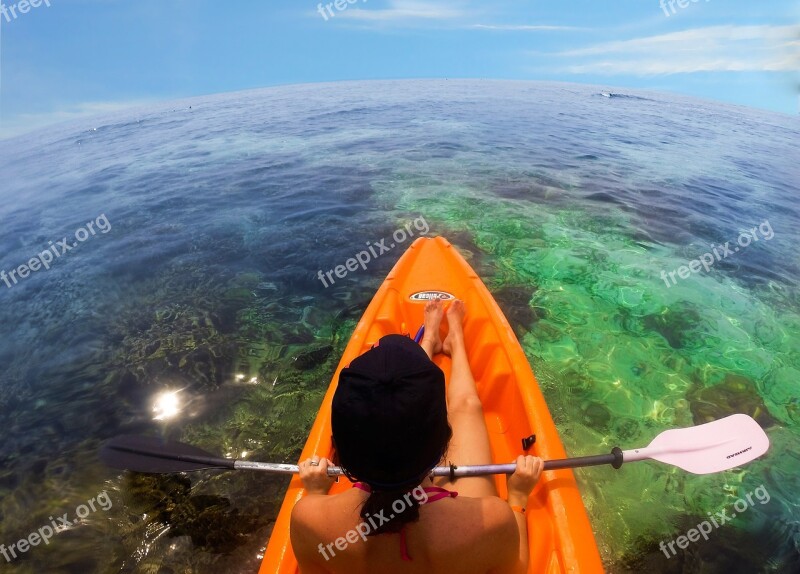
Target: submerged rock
209,520
674,324
735,394
311,357
515,300
180,342
596,416
211,523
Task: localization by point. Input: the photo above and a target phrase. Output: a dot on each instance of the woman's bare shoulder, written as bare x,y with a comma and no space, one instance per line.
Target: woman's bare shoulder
313,517
308,510
479,517
305,515
320,514
487,534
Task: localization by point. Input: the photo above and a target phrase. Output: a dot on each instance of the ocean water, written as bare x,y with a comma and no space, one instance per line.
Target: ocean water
192,308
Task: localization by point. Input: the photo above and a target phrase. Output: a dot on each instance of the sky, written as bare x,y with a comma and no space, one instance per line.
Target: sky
66,59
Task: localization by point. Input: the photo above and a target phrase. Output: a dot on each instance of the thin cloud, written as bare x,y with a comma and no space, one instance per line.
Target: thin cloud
711,49
521,28
403,10
407,11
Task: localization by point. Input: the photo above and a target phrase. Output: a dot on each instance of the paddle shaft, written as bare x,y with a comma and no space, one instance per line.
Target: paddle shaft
453,471
614,458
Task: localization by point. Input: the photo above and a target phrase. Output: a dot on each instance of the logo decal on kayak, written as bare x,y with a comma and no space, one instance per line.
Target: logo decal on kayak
428,295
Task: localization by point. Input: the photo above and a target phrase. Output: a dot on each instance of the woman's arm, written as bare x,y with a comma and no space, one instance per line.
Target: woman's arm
520,485
314,474
301,533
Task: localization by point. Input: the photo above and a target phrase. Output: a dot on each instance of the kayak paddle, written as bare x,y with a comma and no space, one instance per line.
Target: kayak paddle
703,449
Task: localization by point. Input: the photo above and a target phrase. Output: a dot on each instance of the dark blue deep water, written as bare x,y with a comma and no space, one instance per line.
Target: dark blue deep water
191,306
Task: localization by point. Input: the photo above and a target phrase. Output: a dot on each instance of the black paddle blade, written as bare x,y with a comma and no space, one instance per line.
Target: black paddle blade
154,455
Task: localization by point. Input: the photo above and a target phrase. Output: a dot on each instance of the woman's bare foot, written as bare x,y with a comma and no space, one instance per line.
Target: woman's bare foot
431,341
455,320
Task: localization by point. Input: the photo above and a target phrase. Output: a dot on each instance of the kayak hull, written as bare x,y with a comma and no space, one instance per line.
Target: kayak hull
560,535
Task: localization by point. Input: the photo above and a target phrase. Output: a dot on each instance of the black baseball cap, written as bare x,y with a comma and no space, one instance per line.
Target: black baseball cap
389,415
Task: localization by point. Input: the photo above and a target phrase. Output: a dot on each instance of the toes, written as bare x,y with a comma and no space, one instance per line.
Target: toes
433,309
456,307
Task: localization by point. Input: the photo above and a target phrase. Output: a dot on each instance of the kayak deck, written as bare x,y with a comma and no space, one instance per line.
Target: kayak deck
560,536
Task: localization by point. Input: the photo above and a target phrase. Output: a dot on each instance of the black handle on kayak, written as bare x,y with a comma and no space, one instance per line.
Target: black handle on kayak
614,458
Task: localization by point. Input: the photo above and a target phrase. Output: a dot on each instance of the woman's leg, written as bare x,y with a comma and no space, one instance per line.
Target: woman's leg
470,443
431,341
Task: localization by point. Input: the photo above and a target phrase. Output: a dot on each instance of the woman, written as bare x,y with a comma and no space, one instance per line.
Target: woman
391,420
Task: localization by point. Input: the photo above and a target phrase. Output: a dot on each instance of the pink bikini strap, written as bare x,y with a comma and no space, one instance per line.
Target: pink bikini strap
404,546
438,493
434,493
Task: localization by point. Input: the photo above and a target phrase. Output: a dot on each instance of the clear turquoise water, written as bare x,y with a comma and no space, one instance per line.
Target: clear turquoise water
568,203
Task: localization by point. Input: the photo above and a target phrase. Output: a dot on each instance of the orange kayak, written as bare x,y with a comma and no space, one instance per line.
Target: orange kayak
560,536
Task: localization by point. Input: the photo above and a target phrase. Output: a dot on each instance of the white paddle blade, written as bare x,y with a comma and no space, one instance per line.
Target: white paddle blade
711,447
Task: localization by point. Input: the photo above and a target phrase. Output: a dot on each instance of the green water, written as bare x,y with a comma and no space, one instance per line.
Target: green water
620,358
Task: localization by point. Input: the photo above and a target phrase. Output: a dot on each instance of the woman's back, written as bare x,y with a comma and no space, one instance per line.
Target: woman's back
453,536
